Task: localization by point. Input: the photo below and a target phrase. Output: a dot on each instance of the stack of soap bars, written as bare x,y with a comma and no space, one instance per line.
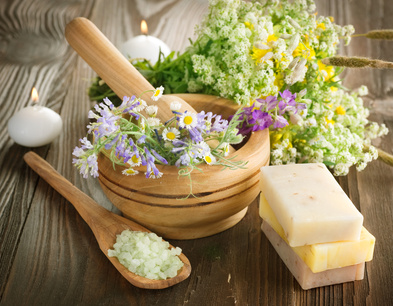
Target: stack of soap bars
313,225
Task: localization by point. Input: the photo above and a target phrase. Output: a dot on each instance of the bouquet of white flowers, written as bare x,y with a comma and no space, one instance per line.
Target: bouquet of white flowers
250,52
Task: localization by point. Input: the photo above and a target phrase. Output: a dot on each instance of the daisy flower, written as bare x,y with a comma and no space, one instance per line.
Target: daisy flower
153,122
170,134
158,93
175,106
188,120
152,110
129,172
135,161
142,105
225,148
209,159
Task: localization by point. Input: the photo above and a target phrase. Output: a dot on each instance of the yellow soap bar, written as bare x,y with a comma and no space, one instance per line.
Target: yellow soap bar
324,256
305,277
309,204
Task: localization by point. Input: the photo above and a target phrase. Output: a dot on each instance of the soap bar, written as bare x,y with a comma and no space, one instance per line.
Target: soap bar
305,277
309,204
324,256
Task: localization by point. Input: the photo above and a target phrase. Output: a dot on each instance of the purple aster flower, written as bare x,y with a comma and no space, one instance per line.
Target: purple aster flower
142,139
86,164
195,134
108,102
86,144
78,152
159,157
219,124
260,120
183,160
128,104
287,103
93,164
106,124
151,168
287,95
110,144
121,148
300,106
280,122
269,103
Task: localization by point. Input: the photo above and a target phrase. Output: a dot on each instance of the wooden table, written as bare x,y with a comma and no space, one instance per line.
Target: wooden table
48,255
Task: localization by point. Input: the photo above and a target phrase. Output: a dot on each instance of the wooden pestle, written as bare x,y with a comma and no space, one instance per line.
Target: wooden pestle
107,61
120,75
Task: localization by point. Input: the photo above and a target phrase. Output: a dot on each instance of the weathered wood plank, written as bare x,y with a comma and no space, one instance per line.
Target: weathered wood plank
48,255
25,63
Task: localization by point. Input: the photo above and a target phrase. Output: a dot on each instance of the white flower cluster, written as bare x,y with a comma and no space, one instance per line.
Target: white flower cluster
221,56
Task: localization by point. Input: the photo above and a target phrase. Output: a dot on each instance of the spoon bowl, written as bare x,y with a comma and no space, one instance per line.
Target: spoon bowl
104,224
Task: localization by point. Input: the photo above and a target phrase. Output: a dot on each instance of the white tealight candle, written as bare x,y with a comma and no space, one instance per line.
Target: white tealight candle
35,125
144,46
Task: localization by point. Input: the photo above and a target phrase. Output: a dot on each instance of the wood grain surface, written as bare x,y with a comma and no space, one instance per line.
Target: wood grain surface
48,254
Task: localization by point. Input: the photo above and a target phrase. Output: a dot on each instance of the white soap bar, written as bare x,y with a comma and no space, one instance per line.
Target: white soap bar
305,277
329,255
309,204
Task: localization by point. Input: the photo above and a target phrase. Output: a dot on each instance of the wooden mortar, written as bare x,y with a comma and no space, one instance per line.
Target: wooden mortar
221,196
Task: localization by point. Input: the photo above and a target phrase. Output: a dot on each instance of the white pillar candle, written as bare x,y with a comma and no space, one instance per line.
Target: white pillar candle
144,46
35,125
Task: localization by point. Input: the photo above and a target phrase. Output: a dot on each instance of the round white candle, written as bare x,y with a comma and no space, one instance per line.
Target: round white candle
144,46
34,126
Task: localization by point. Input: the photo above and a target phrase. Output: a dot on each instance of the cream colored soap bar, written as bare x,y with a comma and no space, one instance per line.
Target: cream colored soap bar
305,277
309,204
324,256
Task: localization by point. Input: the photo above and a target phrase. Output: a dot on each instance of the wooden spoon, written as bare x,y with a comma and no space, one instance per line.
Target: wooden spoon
104,224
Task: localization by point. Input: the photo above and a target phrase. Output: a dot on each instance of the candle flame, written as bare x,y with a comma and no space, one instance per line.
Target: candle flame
34,95
144,27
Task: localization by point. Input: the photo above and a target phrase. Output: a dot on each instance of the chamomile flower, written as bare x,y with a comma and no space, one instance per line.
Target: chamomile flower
225,148
141,105
209,159
153,122
135,161
188,120
175,106
170,134
156,176
158,93
152,110
130,171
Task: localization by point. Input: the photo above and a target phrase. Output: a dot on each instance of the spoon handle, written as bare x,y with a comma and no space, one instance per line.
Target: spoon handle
86,206
107,61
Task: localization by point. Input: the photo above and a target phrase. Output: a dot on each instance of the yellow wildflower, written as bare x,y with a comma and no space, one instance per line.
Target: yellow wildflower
279,80
274,137
321,26
272,37
328,71
249,25
329,121
340,110
257,54
304,50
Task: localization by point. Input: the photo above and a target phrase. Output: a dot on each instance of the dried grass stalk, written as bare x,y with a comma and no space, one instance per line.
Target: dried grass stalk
357,62
377,34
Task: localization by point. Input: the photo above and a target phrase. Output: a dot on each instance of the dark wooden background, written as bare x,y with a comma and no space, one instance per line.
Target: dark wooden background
48,255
